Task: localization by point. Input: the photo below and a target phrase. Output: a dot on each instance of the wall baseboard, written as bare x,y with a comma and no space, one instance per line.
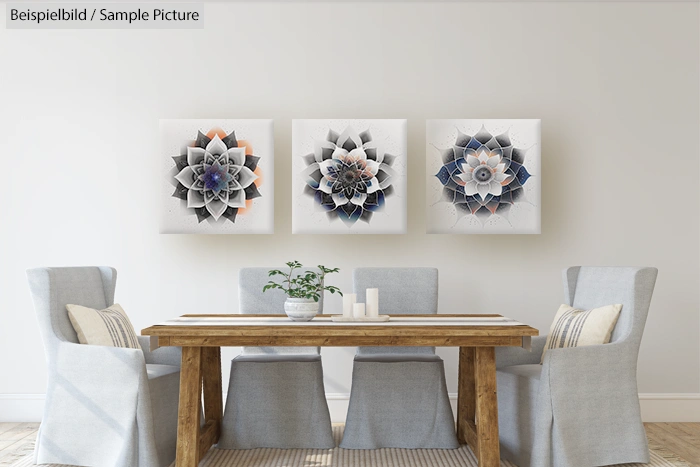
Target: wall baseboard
656,407
671,407
21,407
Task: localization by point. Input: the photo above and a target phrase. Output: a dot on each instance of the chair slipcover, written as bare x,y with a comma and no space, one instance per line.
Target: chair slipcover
276,397
105,406
399,395
581,406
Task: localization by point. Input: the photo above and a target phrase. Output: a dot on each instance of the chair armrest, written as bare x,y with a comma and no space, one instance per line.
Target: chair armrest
592,391
97,363
611,368
93,398
105,380
162,355
509,356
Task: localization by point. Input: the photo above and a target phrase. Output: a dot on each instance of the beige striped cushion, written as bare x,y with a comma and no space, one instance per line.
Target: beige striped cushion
110,327
575,328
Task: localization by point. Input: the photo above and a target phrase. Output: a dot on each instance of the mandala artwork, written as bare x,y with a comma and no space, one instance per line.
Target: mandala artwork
216,176
483,176
352,176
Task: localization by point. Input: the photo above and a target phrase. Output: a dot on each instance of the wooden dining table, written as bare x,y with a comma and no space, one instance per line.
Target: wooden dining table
202,336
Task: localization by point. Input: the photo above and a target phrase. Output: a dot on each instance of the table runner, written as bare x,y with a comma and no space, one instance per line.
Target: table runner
325,320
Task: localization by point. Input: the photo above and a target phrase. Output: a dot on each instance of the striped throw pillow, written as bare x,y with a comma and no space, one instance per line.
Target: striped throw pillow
576,328
110,327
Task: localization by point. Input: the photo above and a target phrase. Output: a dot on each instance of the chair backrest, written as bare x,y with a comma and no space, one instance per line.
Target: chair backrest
54,288
402,291
253,301
589,287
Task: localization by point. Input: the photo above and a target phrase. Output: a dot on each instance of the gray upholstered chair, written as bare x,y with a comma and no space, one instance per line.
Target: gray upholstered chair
105,406
581,406
276,397
399,396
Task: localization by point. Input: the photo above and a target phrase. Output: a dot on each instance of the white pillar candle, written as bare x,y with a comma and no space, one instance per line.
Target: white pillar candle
372,303
349,300
358,310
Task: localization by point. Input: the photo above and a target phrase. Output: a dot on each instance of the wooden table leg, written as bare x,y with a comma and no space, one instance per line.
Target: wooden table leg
190,407
213,399
466,398
489,453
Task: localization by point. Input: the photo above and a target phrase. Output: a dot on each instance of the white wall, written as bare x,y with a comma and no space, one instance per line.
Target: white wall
615,84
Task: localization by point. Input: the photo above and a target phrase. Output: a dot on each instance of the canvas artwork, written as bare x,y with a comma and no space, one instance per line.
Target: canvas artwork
483,176
349,176
218,176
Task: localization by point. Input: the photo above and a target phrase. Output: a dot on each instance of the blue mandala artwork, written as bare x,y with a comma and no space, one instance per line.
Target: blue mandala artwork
484,174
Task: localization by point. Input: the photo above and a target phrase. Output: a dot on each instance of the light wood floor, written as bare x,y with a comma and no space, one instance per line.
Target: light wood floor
682,439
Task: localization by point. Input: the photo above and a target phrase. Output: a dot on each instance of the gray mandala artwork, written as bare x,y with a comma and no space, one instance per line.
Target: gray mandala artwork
482,174
216,177
349,176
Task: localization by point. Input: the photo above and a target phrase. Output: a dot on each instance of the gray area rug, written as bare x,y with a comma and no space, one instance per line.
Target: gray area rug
462,457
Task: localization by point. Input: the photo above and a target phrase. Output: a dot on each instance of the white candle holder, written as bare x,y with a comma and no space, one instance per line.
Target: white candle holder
349,299
364,319
358,314
358,310
372,298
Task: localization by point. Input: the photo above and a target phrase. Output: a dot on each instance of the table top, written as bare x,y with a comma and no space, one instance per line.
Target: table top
326,320
442,329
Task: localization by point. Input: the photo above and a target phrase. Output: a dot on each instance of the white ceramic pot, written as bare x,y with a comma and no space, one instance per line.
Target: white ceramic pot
300,309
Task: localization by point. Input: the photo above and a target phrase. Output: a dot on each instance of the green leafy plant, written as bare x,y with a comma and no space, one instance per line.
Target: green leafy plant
309,284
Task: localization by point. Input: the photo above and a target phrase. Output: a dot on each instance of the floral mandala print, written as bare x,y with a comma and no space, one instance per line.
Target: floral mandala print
216,177
483,175
349,176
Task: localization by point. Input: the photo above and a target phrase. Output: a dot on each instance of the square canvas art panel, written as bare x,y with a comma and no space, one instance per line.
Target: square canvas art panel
349,176
218,176
483,176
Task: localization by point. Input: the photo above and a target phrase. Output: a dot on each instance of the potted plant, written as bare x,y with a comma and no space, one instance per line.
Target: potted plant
303,289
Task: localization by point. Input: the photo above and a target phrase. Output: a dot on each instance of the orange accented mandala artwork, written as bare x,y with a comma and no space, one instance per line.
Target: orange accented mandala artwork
216,179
